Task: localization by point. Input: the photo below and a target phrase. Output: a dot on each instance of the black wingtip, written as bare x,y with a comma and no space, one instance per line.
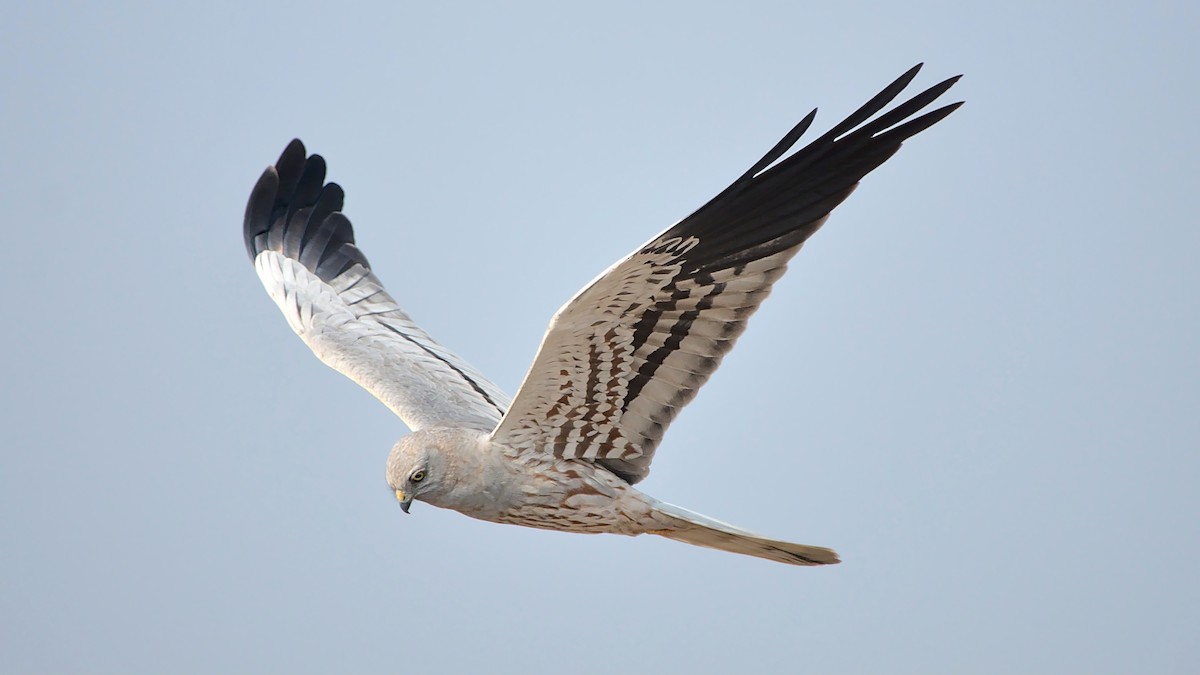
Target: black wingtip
294,151
782,200
293,211
782,146
258,207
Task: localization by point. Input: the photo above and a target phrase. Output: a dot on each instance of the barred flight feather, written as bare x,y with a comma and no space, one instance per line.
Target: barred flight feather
629,351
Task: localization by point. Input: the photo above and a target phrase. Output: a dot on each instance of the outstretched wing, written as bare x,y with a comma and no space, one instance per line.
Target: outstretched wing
622,357
303,249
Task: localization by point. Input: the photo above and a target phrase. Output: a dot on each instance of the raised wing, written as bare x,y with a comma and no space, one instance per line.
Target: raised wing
622,357
303,249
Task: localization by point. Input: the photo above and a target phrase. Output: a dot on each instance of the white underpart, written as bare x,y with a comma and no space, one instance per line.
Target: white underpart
355,327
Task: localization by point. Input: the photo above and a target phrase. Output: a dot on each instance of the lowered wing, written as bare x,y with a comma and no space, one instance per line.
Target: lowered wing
303,250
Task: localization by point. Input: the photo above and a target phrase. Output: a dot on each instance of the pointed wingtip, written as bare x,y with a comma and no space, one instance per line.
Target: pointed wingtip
258,207
293,154
910,74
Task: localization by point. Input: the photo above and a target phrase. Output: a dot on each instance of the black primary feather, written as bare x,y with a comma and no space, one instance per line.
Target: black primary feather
772,208
294,212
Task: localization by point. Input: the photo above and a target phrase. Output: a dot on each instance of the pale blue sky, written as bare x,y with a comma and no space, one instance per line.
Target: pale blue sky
979,382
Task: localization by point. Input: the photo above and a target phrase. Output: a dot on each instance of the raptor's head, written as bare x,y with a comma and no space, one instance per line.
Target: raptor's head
438,466
414,468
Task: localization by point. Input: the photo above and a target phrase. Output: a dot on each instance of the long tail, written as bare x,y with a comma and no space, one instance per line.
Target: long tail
693,528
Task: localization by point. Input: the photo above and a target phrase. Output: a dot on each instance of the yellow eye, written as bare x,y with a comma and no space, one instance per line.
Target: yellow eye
417,476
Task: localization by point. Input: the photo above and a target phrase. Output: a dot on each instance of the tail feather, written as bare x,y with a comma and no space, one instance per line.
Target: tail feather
693,528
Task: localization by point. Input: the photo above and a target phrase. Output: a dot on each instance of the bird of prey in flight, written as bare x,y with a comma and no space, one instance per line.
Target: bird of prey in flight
618,361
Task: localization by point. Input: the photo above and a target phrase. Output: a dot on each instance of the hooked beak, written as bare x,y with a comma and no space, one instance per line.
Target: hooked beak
405,500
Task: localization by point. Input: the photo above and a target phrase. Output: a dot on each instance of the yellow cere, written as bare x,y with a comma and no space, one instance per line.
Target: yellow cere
400,495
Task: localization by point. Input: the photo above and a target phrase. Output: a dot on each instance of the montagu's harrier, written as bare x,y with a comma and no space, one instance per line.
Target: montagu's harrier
618,361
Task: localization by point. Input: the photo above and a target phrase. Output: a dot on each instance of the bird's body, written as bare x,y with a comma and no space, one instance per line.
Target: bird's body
468,473
618,362
503,485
